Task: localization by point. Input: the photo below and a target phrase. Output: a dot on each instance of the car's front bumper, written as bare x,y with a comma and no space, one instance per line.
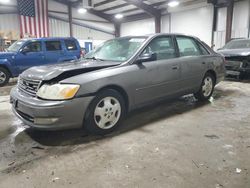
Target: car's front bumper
235,68
49,115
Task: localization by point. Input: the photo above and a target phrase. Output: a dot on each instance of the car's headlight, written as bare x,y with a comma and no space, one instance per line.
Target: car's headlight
58,91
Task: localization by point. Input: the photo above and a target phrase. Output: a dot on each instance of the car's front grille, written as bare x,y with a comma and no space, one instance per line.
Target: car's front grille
233,65
28,86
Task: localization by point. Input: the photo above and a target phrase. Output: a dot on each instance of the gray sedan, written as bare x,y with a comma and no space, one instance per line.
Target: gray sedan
120,75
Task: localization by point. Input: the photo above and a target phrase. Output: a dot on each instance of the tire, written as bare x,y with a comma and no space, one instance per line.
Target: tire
207,87
105,112
4,76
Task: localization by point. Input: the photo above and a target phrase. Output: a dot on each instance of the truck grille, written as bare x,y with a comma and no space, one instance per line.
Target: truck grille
28,86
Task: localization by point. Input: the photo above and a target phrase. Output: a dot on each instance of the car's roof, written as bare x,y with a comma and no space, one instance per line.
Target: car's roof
49,38
240,39
159,34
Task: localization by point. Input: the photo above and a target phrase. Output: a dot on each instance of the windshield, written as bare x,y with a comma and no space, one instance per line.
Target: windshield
16,46
237,44
120,49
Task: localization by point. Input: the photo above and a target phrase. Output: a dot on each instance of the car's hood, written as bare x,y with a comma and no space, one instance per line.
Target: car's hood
4,55
66,70
235,52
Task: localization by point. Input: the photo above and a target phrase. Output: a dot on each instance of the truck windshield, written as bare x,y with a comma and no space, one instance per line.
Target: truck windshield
237,44
16,46
120,49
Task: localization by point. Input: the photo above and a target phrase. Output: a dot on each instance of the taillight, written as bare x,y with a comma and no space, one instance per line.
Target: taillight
81,53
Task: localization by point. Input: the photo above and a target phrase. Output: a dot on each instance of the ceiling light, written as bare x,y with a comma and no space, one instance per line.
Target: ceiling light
118,16
4,1
82,10
173,3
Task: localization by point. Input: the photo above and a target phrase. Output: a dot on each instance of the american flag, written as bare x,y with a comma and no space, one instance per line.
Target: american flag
33,16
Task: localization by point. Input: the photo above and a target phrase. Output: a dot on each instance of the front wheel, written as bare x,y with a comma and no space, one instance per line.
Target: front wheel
105,112
4,76
207,88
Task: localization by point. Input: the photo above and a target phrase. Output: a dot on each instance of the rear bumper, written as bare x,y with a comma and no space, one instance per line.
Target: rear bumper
49,115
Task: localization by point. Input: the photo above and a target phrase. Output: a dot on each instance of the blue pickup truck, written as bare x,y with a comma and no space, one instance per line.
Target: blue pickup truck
26,53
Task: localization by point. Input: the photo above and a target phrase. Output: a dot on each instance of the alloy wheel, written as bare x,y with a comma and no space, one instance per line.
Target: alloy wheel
207,87
107,112
2,77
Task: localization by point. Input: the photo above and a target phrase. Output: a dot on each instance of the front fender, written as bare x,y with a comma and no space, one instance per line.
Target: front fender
8,65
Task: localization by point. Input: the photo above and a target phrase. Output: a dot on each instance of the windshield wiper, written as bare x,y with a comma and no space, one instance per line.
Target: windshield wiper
94,58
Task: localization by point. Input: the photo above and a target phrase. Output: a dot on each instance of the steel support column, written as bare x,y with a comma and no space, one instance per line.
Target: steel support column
117,29
157,24
70,19
229,20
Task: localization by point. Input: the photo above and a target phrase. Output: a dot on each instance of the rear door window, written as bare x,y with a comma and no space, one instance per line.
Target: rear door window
53,45
70,45
188,47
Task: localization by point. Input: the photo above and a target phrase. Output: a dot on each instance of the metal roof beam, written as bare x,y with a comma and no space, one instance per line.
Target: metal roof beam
145,7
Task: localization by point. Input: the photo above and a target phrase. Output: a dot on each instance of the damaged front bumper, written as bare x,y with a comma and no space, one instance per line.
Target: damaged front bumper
236,68
49,115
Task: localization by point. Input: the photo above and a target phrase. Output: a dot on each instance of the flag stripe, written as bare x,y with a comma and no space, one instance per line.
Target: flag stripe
25,25
38,15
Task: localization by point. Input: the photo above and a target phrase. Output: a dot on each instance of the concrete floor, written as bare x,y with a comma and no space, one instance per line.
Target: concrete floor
179,144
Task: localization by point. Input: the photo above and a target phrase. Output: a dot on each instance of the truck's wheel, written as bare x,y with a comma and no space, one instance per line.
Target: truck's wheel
105,112
207,87
4,76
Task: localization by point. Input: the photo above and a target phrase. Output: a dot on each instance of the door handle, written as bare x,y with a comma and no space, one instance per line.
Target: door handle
175,67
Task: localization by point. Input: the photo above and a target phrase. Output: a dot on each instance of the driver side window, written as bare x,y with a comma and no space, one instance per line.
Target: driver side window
163,47
33,47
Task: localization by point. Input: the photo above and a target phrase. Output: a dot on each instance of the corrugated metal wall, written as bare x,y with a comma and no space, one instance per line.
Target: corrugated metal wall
86,33
9,26
60,28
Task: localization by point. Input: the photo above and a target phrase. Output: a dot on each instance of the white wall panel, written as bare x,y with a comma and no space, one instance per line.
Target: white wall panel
165,20
240,19
140,27
85,33
221,19
197,22
58,28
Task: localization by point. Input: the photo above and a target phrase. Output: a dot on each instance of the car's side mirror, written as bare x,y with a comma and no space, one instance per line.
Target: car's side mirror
146,57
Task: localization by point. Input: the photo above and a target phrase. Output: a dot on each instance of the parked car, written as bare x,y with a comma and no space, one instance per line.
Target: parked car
26,53
118,76
237,55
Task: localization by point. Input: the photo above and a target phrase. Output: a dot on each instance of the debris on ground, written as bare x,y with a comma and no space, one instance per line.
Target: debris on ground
195,164
238,170
212,136
54,179
156,149
218,185
37,147
13,162
227,146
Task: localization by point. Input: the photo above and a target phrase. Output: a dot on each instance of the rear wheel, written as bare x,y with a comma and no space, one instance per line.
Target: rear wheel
207,88
105,112
4,76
